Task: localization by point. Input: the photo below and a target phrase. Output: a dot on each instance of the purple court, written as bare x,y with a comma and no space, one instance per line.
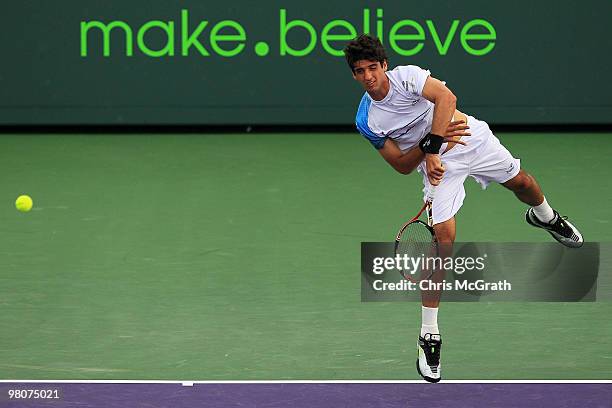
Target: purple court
306,395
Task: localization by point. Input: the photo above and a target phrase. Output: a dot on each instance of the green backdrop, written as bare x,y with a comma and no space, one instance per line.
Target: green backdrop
539,64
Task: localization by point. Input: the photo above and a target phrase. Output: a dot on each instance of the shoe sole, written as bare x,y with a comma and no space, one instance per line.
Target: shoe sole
428,379
572,245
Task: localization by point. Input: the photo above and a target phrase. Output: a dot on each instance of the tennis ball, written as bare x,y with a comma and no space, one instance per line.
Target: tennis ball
24,203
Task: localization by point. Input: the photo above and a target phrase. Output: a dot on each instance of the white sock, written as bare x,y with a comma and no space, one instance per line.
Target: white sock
429,320
544,212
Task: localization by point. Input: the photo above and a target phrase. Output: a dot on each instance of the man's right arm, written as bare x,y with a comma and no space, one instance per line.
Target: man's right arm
403,162
406,162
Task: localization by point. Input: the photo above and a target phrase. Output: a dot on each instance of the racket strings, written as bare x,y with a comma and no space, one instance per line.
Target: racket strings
416,241
416,237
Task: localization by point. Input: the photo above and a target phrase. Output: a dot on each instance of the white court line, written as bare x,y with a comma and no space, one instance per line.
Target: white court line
193,382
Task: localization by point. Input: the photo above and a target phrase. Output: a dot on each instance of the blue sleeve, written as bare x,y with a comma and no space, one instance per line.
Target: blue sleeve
362,123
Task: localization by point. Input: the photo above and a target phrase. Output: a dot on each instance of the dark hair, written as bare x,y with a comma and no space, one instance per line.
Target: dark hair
364,47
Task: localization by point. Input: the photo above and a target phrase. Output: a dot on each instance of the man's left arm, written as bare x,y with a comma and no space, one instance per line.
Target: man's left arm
445,103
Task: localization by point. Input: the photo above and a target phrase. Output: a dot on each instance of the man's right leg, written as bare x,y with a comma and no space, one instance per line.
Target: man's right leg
447,201
430,341
445,236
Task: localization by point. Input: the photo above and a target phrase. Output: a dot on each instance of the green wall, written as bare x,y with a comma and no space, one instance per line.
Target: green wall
242,62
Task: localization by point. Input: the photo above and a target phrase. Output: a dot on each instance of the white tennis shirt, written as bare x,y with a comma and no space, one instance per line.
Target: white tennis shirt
404,115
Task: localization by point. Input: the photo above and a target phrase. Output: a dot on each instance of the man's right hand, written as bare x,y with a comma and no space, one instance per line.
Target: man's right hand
435,169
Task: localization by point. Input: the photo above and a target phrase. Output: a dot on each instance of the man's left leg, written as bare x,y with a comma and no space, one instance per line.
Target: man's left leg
541,214
526,189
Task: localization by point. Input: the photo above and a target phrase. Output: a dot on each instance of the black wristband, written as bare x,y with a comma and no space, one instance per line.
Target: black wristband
431,143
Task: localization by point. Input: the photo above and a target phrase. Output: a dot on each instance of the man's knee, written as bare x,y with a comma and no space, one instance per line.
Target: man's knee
445,231
523,181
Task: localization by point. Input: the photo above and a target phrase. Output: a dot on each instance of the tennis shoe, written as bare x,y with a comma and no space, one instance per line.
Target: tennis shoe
428,361
560,229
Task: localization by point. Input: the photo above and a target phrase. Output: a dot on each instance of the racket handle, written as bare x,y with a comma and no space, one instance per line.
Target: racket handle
431,192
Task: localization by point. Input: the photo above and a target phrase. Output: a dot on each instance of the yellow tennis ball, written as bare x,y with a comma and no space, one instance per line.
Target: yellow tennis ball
24,203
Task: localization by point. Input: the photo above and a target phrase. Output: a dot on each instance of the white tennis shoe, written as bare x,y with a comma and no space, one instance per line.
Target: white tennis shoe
428,362
560,229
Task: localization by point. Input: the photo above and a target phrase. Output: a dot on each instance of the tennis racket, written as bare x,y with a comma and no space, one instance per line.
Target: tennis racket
417,237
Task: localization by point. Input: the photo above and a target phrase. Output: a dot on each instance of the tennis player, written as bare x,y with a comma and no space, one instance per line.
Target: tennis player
411,119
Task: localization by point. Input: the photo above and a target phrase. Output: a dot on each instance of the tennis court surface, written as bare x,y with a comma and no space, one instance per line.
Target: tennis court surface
234,257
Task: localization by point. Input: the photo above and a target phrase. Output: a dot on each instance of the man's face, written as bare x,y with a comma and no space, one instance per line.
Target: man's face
371,75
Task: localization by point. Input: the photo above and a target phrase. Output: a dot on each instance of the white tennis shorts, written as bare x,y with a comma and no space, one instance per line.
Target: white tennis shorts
484,159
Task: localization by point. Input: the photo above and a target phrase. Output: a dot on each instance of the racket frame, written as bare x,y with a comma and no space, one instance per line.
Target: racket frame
427,207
